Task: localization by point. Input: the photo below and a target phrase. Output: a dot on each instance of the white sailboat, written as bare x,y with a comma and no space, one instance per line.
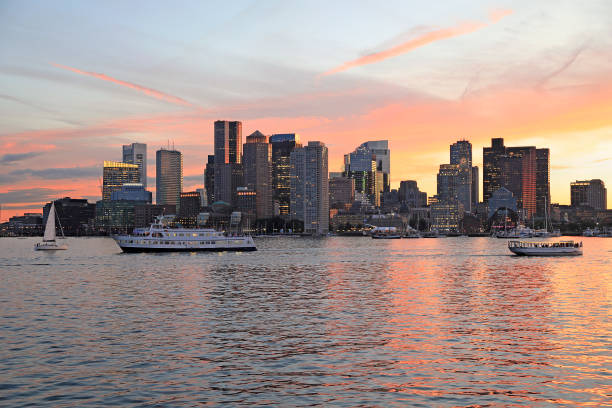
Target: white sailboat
48,243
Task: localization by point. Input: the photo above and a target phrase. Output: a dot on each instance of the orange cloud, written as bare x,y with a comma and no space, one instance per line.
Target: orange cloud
148,91
424,39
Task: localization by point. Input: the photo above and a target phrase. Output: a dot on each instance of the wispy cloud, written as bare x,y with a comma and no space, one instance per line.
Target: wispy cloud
148,91
572,58
421,40
15,157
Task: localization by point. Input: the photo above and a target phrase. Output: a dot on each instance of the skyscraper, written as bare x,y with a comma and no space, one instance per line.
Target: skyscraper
115,174
257,163
410,195
361,165
310,187
282,146
542,182
475,189
228,160
515,168
590,193
380,149
461,156
209,179
136,153
448,183
169,177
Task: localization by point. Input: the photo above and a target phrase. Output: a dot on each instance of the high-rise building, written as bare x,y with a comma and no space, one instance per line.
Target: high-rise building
514,168
361,165
257,163
115,174
282,146
132,192
590,193
310,187
169,177
461,156
136,153
475,189
209,179
189,208
542,182
341,192
448,181
228,160
380,149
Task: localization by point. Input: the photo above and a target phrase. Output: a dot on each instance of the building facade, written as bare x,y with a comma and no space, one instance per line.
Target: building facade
169,177
361,165
542,182
410,195
310,187
341,192
461,156
134,192
115,174
209,179
76,215
282,146
228,160
257,164
136,153
589,193
382,154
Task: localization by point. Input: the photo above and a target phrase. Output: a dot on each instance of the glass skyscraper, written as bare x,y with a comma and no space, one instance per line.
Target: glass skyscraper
169,177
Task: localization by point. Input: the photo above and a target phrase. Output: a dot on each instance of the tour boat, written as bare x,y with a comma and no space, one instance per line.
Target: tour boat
567,248
385,233
161,238
48,243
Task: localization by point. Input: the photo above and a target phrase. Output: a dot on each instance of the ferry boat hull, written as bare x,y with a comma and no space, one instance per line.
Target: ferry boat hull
134,249
545,248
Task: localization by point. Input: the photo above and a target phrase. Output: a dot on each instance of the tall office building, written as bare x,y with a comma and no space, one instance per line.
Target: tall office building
380,149
361,165
448,183
590,193
282,146
461,156
209,179
115,174
475,189
341,192
310,187
136,153
542,182
257,164
514,168
169,177
228,160
410,195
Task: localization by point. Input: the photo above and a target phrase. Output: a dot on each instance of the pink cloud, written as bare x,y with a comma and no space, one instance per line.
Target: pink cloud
424,39
148,91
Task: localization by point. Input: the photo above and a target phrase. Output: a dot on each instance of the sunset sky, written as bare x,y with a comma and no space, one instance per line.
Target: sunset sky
79,79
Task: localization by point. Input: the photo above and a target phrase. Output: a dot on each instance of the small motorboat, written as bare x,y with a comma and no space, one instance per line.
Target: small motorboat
561,248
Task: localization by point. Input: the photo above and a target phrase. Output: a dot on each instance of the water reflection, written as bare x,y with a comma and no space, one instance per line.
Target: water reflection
347,321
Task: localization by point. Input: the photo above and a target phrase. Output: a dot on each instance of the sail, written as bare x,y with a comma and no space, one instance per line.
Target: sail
50,227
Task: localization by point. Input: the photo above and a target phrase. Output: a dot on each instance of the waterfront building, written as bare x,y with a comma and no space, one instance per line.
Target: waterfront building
516,169
247,202
382,154
475,189
257,163
169,177
115,174
132,191
282,146
28,224
410,195
144,214
209,179
310,187
189,208
446,216
76,215
136,153
341,192
116,216
589,193
361,165
228,160
461,156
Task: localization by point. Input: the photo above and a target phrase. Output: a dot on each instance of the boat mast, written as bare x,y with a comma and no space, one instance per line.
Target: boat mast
58,220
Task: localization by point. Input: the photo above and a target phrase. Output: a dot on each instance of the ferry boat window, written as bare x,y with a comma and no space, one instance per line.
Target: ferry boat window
194,235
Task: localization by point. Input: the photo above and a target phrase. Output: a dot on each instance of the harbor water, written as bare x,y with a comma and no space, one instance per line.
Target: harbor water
338,321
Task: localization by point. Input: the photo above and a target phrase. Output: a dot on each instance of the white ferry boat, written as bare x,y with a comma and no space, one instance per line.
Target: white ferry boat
160,238
562,248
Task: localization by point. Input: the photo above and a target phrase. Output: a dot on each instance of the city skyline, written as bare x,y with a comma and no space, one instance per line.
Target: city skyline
531,74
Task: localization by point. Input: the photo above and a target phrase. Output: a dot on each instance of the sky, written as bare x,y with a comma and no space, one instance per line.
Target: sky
80,79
